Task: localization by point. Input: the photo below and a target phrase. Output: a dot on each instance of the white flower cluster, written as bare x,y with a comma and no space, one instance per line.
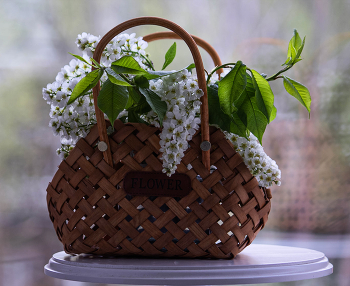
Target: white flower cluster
121,45
74,121
260,165
179,90
181,93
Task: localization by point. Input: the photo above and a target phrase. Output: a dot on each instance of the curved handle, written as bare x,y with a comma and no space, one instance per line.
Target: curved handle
199,69
200,42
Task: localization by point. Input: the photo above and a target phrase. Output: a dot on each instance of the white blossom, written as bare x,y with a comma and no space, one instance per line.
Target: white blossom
258,162
72,122
182,117
179,90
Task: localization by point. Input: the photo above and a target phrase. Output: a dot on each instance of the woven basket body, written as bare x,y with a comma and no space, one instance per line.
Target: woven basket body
91,212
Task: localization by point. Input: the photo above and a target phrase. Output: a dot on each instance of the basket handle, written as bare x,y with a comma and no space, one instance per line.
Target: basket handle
200,42
101,124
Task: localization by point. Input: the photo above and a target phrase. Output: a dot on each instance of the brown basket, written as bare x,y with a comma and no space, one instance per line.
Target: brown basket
91,212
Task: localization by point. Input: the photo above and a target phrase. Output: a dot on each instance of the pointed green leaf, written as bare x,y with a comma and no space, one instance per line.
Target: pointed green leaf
273,113
116,78
159,74
231,87
169,56
135,94
85,84
96,63
299,91
231,123
128,65
142,106
249,112
134,117
252,117
296,40
157,105
248,91
263,94
112,99
141,81
130,102
237,126
300,49
80,58
295,47
191,67
291,53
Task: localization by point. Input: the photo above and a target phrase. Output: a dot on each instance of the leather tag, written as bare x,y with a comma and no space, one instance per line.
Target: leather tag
157,184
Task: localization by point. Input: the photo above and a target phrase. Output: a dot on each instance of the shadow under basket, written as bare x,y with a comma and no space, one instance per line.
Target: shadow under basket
92,213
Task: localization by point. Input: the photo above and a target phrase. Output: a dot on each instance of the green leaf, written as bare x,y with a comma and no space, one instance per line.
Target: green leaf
112,99
80,58
299,91
237,126
250,86
85,84
134,117
116,78
248,91
273,113
141,81
231,123
96,63
263,94
128,65
157,105
252,117
291,54
169,56
134,94
191,67
130,102
296,40
231,87
142,106
158,74
295,47
300,49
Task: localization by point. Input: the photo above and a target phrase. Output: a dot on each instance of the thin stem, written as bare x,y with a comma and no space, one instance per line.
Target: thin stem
150,63
217,68
87,125
126,79
275,76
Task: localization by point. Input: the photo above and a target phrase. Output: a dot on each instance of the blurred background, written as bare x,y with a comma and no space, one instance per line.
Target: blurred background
312,207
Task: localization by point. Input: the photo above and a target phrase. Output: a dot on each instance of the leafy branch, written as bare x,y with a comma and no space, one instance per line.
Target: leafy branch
127,86
241,102
244,96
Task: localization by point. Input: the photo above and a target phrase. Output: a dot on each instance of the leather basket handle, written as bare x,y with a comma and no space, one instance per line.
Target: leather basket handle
199,69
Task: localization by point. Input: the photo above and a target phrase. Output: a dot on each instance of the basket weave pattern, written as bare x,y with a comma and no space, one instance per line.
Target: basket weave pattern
92,213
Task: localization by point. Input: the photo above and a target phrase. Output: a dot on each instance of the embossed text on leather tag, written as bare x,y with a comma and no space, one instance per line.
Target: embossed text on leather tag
157,184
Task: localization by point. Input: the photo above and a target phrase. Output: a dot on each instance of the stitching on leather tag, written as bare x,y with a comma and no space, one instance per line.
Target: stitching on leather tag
157,184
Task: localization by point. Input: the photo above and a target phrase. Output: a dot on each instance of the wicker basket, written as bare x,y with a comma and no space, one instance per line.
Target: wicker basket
92,213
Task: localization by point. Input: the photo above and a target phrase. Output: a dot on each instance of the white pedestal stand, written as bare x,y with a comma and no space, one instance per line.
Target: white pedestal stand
258,263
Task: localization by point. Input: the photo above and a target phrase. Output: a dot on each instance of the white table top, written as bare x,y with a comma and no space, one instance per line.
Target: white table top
258,263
